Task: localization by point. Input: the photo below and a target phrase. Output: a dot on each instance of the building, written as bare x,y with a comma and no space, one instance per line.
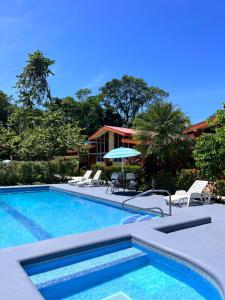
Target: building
199,128
106,139
110,137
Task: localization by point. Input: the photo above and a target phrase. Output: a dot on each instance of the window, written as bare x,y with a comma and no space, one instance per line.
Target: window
102,146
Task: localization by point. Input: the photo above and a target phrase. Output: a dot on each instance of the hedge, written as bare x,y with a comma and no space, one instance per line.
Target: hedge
31,172
108,170
185,178
162,180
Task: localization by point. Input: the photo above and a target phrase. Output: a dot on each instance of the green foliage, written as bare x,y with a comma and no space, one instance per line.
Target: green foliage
36,144
25,173
209,152
159,180
9,142
31,172
165,179
22,119
108,170
5,107
161,126
68,167
82,94
32,83
220,188
90,113
162,142
46,137
206,155
8,174
185,178
129,95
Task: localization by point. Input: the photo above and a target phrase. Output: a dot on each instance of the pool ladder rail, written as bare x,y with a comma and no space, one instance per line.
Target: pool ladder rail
151,209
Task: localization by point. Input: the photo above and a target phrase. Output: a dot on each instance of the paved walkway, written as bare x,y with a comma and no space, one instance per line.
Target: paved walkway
144,202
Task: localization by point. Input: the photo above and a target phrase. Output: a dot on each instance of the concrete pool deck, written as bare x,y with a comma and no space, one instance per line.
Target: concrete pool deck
203,246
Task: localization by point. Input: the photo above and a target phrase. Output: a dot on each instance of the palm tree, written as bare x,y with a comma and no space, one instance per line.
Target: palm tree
159,130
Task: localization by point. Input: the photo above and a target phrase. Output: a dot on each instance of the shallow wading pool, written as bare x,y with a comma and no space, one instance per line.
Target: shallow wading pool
120,271
30,216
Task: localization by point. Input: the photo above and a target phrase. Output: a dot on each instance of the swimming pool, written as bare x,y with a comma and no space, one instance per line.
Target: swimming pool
121,271
30,216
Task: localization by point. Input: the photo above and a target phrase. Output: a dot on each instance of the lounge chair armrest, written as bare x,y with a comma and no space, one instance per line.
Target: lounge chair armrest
180,192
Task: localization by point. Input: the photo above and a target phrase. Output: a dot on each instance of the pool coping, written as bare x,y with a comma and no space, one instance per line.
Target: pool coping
15,284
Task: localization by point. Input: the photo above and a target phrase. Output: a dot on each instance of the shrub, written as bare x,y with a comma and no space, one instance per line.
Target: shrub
209,152
162,180
185,178
25,173
30,172
68,167
220,188
8,174
50,171
166,180
108,170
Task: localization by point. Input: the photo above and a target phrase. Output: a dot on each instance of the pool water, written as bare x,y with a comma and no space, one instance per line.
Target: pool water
120,271
32,216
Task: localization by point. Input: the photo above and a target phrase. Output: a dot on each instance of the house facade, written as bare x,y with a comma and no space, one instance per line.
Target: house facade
110,137
106,139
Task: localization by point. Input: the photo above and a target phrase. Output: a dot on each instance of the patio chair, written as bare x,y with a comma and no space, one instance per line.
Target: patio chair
131,182
79,179
116,182
194,194
95,181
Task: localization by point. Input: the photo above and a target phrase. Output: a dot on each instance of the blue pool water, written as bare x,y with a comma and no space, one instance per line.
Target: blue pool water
32,216
121,271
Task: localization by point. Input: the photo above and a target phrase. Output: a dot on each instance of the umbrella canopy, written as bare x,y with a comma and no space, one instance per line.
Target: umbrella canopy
122,152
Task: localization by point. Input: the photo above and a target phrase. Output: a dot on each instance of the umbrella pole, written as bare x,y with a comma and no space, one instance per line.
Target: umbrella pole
123,174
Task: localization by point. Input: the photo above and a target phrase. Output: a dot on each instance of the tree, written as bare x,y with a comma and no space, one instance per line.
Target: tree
36,144
111,116
70,137
90,114
32,83
82,94
52,137
159,131
9,142
209,151
5,107
129,95
23,118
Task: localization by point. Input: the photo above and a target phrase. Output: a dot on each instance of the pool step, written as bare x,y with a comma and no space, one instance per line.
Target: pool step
118,296
79,276
138,218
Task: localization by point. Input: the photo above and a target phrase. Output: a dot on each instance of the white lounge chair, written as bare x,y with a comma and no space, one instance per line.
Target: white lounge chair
78,179
92,181
195,193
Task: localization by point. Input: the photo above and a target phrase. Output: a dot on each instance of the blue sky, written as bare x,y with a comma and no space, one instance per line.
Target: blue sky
178,45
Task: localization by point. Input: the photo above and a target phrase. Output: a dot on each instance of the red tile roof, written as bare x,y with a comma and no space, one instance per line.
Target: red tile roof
120,130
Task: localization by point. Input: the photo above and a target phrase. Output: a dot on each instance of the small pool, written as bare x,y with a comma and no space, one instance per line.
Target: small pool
32,216
124,270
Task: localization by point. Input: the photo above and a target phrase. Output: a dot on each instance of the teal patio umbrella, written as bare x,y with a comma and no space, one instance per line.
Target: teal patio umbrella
122,152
